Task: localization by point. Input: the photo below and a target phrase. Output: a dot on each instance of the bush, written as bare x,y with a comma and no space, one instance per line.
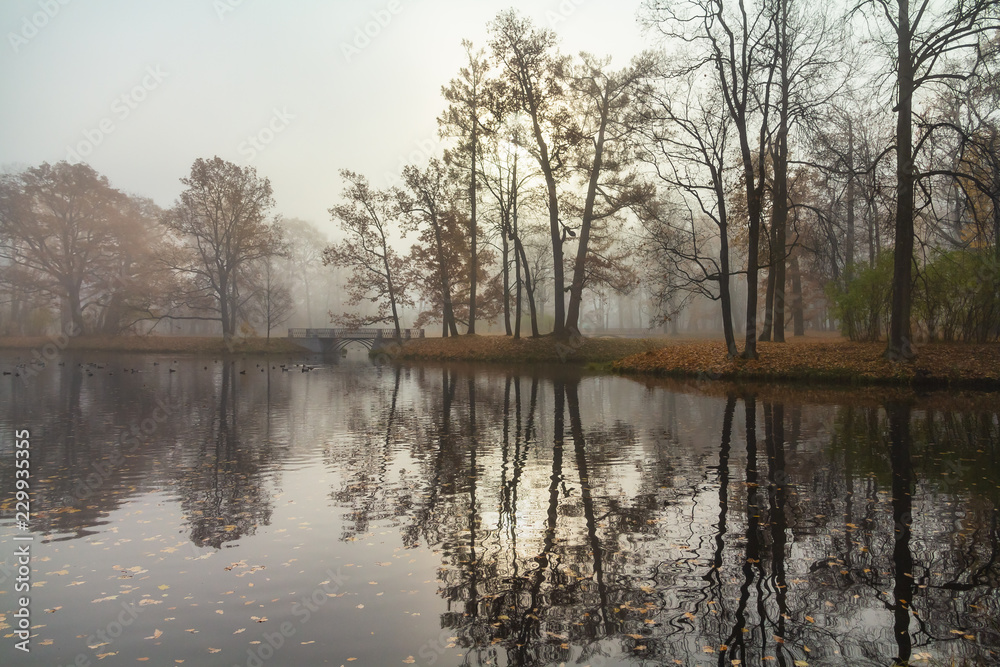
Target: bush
957,297
863,305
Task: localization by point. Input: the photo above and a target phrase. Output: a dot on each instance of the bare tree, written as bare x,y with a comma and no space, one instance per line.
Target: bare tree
304,259
530,67
925,39
507,179
688,149
273,301
367,217
734,47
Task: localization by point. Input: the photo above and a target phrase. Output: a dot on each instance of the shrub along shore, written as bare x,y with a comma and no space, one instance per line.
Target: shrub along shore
826,360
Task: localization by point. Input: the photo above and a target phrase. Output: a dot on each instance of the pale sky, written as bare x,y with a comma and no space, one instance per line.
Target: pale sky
140,89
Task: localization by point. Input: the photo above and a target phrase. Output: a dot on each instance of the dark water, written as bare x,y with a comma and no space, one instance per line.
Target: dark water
361,515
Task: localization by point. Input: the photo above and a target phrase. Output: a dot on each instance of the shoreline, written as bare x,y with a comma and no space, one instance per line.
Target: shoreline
154,344
812,360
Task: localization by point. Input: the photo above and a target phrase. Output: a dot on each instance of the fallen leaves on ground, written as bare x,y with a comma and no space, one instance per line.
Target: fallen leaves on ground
829,360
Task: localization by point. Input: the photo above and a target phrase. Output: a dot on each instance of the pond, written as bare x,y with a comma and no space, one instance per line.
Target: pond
249,511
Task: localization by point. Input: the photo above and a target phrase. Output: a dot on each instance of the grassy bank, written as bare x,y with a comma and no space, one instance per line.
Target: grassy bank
171,344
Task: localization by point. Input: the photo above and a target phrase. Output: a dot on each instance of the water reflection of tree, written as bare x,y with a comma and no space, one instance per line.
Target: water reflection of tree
221,485
86,460
564,536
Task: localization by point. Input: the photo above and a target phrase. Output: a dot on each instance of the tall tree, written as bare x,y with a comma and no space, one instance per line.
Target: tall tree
223,217
530,67
807,61
506,178
467,98
608,120
733,46
379,274
926,39
688,150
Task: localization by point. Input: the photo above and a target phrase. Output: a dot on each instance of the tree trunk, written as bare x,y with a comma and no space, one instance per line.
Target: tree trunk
474,259
391,288
447,312
899,346
528,287
798,317
555,231
765,329
579,267
505,258
227,331
75,310
724,294
851,195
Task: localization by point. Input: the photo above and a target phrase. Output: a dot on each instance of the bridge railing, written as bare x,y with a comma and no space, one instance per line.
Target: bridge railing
355,334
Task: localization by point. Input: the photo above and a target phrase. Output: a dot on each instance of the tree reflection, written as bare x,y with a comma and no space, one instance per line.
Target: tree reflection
221,486
902,516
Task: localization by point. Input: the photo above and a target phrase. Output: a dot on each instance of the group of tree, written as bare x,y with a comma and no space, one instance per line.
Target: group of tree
105,262
820,145
533,134
769,136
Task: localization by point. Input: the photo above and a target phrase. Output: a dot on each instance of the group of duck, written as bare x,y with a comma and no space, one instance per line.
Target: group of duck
90,367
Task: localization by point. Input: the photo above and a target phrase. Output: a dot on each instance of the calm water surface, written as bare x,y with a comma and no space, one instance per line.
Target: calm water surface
209,512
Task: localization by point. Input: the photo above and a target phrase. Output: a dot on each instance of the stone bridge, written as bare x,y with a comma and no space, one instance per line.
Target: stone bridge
328,341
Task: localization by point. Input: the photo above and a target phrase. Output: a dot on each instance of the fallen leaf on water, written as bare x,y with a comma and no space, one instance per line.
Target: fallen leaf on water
156,634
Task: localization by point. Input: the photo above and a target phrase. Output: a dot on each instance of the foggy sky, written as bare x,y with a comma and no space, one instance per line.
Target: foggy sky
141,89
